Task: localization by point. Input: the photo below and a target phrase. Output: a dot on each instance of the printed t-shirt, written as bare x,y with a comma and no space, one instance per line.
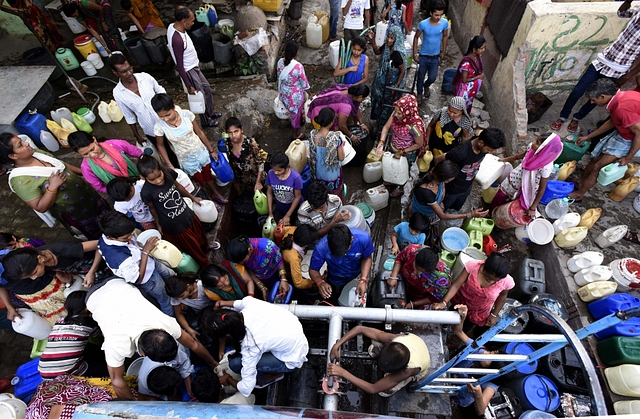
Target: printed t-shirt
284,190
468,162
354,19
173,213
135,205
432,36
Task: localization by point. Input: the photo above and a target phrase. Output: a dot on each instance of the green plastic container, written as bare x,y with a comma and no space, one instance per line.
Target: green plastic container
475,239
571,151
483,225
187,264
38,348
448,258
619,350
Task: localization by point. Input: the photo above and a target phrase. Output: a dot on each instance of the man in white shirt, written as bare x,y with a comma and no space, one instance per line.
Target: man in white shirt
356,13
186,58
133,94
123,314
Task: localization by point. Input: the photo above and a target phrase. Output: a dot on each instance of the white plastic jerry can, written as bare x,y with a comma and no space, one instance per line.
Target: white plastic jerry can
596,290
593,274
568,220
611,236
585,260
196,103
103,112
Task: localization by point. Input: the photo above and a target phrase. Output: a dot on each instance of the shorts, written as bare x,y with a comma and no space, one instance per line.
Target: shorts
613,144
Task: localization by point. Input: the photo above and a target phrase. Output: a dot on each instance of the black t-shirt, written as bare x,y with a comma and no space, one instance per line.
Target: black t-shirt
67,252
424,196
469,163
173,213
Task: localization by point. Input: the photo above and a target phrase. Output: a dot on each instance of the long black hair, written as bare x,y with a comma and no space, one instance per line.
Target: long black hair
444,170
475,43
76,306
221,323
290,51
6,148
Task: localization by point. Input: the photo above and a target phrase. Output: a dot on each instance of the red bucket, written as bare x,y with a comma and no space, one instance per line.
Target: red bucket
510,215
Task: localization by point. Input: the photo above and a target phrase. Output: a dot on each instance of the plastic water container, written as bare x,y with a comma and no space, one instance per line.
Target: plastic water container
114,111
610,173
531,280
570,219
373,156
627,407
31,124
489,193
489,245
206,211
95,59
483,225
81,123
66,59
297,153
60,113
76,285
334,53
536,392
596,290
167,252
564,369
589,217
103,112
447,79
377,197
394,170
408,49
475,239
260,202
520,323
367,212
630,328
12,408
585,260
196,102
448,258
592,274
571,151
510,215
536,414
626,273
466,255
187,264
381,33
566,170
314,33
222,168
268,228
75,26
558,208
85,45
611,236
624,379
372,172
306,180
612,304
521,348
556,189
88,68
490,170
31,324
619,350
276,298
571,236
26,380
49,141
103,52
455,240
356,220
538,231
184,180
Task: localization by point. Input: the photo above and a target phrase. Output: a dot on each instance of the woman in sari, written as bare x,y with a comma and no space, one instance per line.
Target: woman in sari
38,276
345,101
448,127
292,82
408,133
227,281
428,196
143,14
326,152
426,277
262,258
37,21
468,78
48,185
104,161
390,72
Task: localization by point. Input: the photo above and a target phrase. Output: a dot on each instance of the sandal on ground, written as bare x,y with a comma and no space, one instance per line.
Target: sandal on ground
420,100
573,126
632,237
220,199
557,125
213,124
217,115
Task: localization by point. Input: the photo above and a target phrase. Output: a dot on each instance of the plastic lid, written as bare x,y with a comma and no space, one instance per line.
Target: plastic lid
367,210
522,348
607,169
541,392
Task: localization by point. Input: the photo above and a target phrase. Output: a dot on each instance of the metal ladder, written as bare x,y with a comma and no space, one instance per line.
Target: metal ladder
441,382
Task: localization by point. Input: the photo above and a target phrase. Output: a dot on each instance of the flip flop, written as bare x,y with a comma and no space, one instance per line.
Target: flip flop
573,126
220,199
632,237
260,383
214,245
557,125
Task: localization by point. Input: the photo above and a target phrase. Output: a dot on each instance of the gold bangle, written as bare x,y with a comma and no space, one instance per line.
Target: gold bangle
52,192
282,272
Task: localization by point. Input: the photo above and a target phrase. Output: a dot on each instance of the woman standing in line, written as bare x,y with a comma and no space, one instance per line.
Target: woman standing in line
292,82
390,72
468,78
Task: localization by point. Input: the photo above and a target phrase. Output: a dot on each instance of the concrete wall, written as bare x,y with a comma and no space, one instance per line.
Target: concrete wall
552,47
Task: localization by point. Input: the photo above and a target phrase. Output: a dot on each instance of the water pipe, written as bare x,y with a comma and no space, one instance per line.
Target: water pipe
98,77
381,315
97,100
330,401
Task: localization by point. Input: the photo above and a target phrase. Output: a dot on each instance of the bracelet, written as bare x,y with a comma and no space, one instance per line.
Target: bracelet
145,253
282,272
392,277
493,315
467,215
53,192
363,279
251,294
411,302
284,279
321,281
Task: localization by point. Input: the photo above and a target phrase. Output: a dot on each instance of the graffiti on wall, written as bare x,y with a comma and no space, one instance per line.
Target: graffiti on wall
560,61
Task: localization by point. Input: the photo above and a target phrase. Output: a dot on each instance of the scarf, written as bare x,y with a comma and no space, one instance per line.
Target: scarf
478,67
333,95
548,151
235,279
331,142
408,118
464,123
38,171
398,45
106,172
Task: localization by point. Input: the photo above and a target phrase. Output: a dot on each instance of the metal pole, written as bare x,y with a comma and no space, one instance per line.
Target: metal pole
383,315
330,401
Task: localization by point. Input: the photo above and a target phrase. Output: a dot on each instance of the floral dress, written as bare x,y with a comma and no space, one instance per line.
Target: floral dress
433,285
395,18
470,89
292,89
264,260
247,164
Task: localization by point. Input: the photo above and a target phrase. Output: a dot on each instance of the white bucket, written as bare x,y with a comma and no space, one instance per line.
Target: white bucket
95,60
88,68
538,231
468,254
454,240
12,409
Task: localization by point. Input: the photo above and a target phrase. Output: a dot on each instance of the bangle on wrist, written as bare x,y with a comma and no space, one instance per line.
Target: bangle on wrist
363,279
393,277
321,281
282,272
493,315
251,294
50,191
145,253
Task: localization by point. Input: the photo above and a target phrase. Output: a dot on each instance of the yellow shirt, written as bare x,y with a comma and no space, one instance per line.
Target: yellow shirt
418,353
293,262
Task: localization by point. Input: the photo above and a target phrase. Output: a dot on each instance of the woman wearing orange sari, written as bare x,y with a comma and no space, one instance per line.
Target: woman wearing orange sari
143,14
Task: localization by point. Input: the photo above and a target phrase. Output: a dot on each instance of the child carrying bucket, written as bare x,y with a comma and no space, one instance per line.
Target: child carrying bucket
528,181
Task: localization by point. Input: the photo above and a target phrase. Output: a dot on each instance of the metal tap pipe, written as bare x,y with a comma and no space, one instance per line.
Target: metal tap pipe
382,315
330,401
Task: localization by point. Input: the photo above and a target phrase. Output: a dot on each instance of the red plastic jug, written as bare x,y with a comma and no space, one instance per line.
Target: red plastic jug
488,245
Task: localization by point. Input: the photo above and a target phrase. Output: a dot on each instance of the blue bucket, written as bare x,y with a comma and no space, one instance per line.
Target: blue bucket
447,80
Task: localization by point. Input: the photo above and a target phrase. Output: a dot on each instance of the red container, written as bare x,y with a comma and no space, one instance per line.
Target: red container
511,215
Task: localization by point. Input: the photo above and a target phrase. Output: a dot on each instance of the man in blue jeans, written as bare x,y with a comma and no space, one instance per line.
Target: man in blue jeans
619,61
334,15
435,33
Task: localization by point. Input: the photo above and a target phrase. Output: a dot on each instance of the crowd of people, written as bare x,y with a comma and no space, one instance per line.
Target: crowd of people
175,321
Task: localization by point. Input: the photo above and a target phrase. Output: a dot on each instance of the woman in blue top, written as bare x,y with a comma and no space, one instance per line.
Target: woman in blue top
326,152
428,196
357,69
